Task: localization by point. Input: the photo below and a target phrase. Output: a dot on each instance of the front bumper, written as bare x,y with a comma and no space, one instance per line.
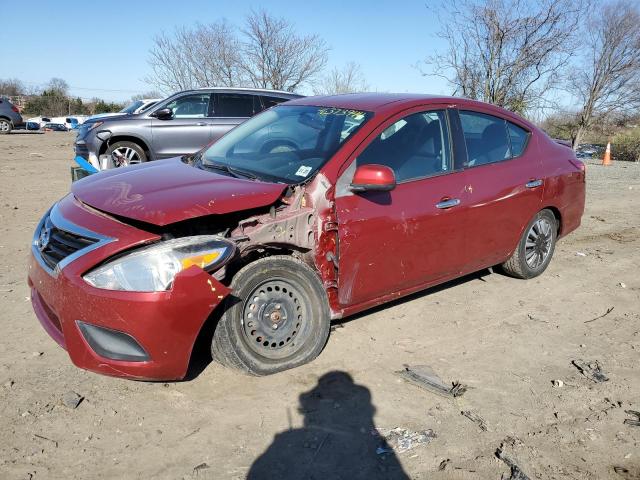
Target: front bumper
164,324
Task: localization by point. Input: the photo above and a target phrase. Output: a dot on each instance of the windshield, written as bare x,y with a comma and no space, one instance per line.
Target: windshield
133,107
286,143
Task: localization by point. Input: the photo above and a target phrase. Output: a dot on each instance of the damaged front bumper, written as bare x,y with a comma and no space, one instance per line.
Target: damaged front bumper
141,335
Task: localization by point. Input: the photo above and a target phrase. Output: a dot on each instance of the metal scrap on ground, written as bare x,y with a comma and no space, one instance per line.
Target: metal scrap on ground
516,473
400,439
475,418
591,370
629,421
423,376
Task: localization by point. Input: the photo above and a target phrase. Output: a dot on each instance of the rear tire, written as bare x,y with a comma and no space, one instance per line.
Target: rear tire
535,248
277,318
133,152
5,126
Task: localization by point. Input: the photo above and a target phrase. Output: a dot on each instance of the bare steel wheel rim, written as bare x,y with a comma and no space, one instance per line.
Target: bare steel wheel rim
4,126
538,244
126,153
274,319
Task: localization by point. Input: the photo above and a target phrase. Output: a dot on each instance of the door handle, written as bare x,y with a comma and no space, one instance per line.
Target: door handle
201,124
533,183
452,202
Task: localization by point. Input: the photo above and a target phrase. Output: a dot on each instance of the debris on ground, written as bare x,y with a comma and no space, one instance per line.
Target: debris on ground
444,463
516,472
423,376
200,467
557,383
475,418
622,284
72,399
581,254
609,310
400,439
336,327
629,421
591,370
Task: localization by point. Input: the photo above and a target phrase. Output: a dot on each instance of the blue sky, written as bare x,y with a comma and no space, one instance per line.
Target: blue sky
101,48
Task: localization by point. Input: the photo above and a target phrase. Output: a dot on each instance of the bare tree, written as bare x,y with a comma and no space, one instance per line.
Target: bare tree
58,86
275,56
148,94
205,56
11,87
609,80
506,52
348,79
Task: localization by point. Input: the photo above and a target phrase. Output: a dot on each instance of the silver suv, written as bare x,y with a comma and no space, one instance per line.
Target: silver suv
181,124
10,117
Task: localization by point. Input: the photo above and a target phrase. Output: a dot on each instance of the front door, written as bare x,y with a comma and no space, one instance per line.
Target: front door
188,131
395,241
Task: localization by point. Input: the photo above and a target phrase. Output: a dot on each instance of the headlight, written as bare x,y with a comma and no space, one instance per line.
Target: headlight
94,125
153,268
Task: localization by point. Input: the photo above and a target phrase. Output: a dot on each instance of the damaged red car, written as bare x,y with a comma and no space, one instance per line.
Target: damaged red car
311,211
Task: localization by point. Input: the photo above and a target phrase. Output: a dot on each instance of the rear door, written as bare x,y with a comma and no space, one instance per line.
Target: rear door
231,109
188,130
504,185
395,241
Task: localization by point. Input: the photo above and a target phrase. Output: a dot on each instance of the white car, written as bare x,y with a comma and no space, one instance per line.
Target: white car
138,106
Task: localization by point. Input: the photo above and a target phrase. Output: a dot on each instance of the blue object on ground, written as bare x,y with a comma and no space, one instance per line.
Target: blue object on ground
86,165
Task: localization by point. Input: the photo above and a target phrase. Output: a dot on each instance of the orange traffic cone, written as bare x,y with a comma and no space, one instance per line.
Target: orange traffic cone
606,160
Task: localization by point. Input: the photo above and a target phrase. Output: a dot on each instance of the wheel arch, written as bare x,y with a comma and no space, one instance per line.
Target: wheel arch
125,138
556,213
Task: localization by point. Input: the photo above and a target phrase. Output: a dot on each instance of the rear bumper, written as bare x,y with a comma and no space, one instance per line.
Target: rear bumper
164,324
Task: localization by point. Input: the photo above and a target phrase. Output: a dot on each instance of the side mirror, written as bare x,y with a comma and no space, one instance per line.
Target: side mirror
377,178
163,114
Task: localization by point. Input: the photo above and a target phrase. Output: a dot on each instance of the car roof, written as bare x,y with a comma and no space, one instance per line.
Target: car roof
375,102
251,90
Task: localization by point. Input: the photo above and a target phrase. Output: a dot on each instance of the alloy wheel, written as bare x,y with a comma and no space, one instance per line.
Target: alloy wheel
538,243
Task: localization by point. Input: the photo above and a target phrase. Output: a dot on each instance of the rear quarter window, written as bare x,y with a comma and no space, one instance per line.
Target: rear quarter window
518,137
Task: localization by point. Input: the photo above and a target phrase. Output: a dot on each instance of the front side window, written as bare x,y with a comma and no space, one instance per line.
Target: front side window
486,138
236,105
190,106
284,144
415,146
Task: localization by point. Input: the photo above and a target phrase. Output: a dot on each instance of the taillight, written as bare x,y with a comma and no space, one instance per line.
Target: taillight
15,109
579,164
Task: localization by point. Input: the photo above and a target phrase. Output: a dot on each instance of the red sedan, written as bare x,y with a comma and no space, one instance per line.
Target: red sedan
311,211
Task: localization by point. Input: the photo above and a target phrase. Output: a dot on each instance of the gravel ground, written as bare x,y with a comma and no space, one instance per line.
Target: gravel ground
512,342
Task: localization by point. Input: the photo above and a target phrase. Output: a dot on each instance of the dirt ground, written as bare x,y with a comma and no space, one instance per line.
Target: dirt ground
507,339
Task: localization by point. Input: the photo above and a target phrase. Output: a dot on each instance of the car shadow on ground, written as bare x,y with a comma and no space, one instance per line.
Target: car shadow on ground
201,355
337,440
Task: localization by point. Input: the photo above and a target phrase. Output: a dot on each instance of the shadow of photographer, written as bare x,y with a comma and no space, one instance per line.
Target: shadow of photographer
337,440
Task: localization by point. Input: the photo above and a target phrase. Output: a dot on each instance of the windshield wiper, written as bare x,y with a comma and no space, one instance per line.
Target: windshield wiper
235,172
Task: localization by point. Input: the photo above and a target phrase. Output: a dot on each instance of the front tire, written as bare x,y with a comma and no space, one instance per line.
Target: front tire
5,126
129,151
535,248
277,318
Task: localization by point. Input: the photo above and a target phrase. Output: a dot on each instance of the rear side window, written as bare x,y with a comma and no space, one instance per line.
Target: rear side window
269,102
486,138
416,146
519,137
236,105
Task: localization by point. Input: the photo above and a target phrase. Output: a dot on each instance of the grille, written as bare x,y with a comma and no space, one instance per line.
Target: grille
55,244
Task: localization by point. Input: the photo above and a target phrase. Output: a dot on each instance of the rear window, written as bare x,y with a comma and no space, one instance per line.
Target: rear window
236,105
486,138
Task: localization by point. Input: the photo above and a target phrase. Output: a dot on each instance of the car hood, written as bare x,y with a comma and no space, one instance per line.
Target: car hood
168,191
